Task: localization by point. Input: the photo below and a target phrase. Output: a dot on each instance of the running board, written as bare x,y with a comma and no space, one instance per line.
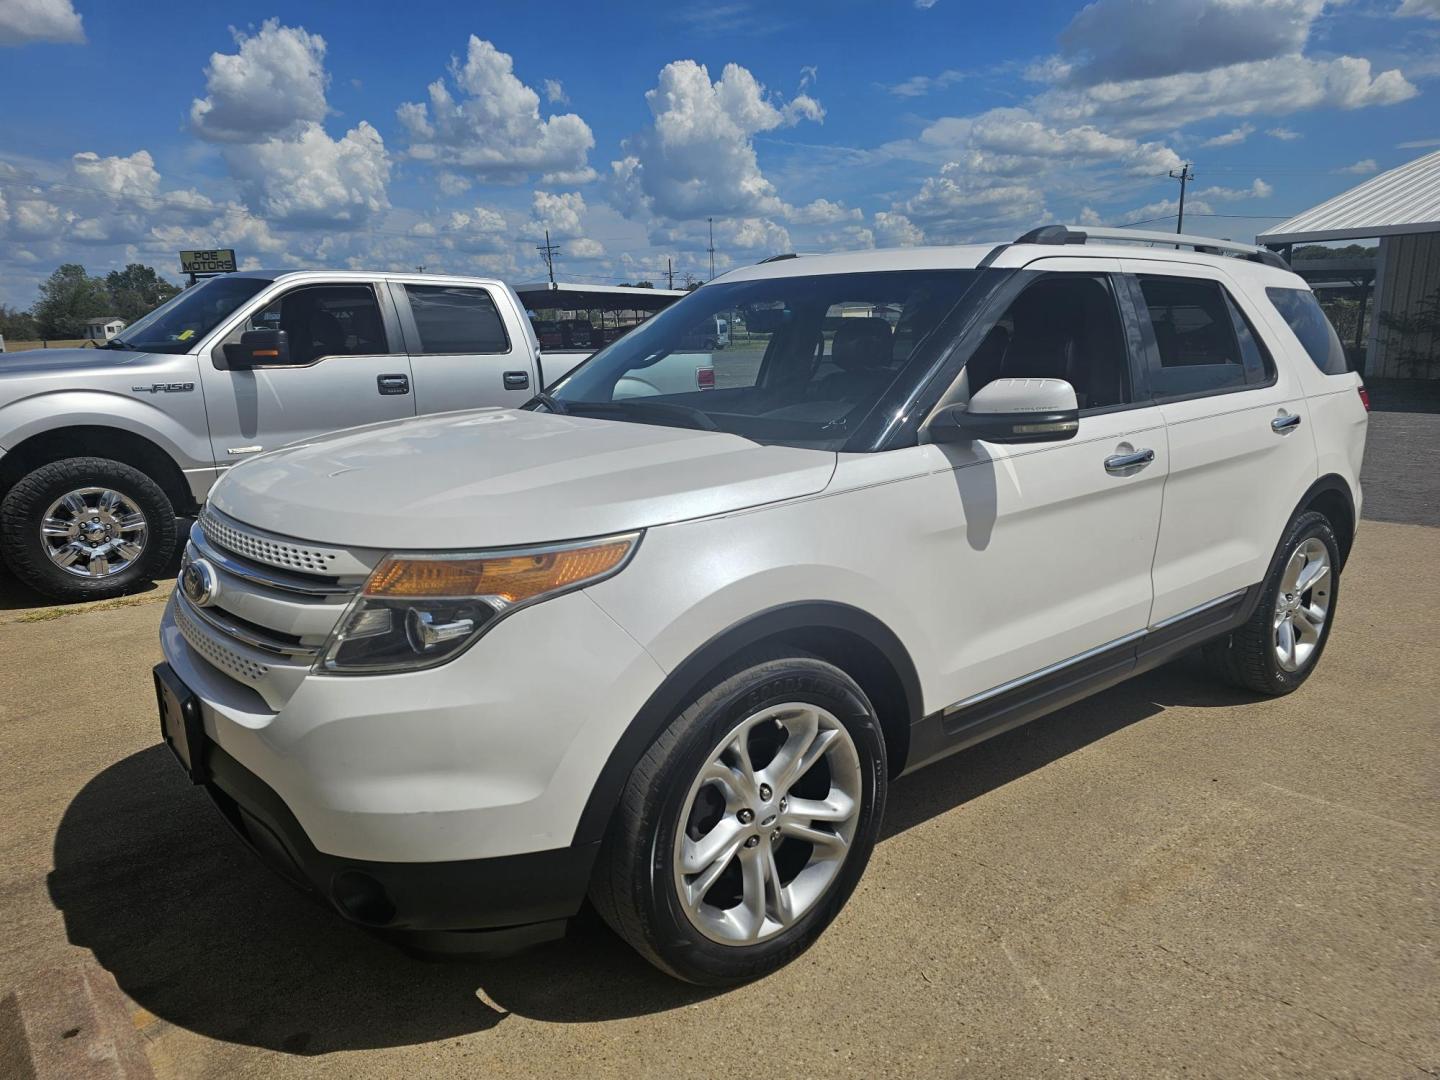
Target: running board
987,714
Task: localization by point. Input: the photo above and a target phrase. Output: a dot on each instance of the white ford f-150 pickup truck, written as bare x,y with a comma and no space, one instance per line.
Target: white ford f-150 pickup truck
102,449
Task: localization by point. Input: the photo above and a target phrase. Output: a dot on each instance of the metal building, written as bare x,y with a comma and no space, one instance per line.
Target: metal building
1400,208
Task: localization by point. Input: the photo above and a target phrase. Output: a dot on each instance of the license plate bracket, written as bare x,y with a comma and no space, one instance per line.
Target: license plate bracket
180,722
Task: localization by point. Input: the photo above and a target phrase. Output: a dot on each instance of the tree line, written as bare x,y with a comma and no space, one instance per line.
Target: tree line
70,296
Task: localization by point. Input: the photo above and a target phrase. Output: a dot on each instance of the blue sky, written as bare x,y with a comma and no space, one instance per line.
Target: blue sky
451,136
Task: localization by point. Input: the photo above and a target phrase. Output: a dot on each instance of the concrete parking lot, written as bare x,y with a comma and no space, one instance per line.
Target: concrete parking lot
1171,879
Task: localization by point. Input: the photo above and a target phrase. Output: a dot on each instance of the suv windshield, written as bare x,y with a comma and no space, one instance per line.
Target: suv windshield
802,362
175,326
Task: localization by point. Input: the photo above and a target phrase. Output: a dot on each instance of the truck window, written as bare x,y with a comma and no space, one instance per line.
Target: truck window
451,319
326,320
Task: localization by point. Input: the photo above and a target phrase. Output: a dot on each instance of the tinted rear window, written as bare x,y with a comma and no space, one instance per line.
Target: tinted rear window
455,320
1301,310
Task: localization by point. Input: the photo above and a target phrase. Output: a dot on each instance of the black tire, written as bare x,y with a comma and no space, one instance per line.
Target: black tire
24,508
1246,657
633,888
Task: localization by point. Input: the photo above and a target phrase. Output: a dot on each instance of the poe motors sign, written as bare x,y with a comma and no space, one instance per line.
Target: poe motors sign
200,263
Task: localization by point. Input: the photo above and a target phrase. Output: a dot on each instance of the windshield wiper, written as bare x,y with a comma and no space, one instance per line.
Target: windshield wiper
693,418
116,343
550,402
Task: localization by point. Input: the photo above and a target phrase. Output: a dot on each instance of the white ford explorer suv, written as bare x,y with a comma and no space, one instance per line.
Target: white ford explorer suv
460,672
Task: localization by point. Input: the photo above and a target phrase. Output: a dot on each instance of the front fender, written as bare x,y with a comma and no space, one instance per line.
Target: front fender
174,421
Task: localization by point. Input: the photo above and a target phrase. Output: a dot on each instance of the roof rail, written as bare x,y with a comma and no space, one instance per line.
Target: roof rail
778,258
1208,245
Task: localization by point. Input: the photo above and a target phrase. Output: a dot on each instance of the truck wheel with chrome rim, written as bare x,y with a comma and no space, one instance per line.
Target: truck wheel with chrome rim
743,831
1277,649
86,528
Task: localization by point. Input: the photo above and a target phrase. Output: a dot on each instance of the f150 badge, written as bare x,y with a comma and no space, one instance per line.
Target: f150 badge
164,388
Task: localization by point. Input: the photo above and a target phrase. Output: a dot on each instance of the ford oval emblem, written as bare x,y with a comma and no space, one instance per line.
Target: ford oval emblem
200,583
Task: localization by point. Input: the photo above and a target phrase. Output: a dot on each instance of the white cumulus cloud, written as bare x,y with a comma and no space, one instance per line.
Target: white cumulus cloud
561,214
698,156
1232,137
274,84
490,125
314,180
24,21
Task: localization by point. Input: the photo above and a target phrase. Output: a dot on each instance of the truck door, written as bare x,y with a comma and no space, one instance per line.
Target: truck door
461,351
347,367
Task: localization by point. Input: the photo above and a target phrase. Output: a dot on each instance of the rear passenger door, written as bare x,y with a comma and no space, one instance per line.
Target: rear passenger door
461,353
1240,451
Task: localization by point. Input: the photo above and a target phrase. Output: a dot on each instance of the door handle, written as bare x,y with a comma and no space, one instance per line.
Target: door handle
517,380
393,384
1281,424
1137,459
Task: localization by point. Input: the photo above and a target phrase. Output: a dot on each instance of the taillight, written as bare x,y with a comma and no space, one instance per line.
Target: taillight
1365,397
705,378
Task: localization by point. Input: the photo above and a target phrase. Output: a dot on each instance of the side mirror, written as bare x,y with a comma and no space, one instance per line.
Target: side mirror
1011,411
258,348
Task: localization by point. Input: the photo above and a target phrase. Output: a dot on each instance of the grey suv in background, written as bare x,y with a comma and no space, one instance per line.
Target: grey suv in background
102,449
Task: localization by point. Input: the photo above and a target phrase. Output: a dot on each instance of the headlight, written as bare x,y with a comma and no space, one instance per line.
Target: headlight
419,610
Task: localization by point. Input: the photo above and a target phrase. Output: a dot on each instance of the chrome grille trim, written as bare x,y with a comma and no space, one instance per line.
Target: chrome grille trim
296,557
227,660
244,635
258,575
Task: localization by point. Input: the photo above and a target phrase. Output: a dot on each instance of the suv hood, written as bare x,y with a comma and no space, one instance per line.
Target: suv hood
501,477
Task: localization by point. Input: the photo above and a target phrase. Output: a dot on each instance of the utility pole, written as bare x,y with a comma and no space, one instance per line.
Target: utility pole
548,251
670,272
420,269
1184,176
712,247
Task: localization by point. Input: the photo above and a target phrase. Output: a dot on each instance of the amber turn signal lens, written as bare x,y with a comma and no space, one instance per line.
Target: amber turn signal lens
510,578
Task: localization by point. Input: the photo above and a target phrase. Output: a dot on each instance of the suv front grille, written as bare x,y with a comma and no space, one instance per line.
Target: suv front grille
227,660
307,559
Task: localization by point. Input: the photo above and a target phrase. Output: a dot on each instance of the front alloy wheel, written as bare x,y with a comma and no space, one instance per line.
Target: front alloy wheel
745,826
767,823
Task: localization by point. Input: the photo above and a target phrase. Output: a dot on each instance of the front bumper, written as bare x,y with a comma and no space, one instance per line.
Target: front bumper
445,799
536,891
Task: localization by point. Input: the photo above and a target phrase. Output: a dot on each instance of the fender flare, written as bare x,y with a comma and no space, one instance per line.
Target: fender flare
689,677
1336,484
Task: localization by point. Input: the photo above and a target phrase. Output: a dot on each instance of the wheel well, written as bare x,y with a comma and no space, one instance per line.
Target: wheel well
853,640
868,666
96,441
1332,500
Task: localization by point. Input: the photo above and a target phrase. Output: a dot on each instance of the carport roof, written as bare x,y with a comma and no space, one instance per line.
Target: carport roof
1404,200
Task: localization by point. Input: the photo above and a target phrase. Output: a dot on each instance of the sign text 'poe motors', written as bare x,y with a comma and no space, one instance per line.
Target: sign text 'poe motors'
219,261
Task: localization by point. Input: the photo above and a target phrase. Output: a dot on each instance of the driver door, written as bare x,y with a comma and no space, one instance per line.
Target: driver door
347,367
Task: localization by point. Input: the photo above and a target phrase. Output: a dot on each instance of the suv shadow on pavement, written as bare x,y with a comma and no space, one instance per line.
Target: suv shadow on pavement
199,933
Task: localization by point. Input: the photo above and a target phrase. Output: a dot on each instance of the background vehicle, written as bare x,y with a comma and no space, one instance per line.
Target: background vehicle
573,320
101,449
929,511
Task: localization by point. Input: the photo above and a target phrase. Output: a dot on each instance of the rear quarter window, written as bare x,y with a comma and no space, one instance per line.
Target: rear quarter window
1300,309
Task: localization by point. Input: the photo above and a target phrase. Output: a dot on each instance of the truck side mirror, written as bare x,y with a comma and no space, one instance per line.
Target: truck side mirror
1011,411
259,348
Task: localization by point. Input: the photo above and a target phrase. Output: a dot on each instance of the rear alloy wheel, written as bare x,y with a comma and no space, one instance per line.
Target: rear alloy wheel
86,528
1302,605
743,830
1278,648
